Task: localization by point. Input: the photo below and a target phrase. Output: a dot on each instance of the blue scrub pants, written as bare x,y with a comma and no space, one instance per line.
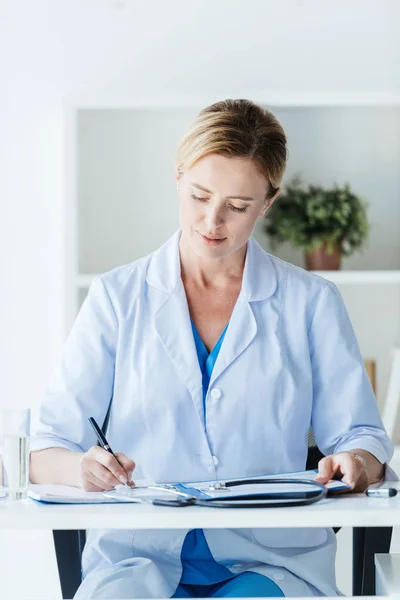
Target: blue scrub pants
246,585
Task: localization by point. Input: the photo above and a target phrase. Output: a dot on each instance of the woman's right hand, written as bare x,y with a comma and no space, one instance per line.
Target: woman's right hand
99,471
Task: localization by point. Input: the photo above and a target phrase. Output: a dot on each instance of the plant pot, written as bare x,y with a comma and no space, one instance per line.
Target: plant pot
320,260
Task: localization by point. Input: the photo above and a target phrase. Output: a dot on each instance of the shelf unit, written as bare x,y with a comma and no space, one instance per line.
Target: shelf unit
123,204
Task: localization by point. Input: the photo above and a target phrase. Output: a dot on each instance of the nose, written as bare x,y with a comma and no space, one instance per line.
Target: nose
213,218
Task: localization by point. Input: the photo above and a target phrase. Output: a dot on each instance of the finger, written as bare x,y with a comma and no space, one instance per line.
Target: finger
91,487
351,473
109,462
103,474
99,483
91,483
326,469
127,464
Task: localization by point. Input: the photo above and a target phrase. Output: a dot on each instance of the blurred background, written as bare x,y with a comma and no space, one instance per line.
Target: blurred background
94,96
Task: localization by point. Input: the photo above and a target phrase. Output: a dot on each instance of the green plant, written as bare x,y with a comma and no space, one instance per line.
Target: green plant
309,217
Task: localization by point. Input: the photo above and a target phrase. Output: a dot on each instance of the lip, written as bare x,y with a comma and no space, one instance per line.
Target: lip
212,241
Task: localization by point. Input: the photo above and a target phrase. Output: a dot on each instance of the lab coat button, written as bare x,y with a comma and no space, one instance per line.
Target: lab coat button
216,393
215,460
278,576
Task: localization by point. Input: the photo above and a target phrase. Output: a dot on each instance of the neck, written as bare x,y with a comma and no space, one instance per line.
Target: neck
207,273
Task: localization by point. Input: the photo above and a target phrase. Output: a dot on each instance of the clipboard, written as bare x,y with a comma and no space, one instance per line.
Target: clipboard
211,489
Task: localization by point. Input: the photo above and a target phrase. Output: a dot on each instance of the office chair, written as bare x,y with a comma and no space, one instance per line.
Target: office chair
366,543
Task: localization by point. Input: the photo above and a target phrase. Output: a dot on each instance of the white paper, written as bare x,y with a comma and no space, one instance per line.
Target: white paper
63,493
71,494
142,494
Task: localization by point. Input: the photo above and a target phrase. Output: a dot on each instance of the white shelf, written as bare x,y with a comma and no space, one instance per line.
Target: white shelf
361,277
338,277
85,280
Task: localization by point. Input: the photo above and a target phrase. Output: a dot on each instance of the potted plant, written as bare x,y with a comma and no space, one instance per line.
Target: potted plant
326,223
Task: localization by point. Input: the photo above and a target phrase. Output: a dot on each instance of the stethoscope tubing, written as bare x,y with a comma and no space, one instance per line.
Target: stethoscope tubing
264,500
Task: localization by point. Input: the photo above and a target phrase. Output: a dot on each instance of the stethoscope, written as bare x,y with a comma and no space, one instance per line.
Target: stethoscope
262,500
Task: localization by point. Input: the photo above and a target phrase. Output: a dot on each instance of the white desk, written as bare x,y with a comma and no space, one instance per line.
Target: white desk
348,510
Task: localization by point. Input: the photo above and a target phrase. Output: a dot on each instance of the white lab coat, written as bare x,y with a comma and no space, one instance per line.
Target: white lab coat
289,358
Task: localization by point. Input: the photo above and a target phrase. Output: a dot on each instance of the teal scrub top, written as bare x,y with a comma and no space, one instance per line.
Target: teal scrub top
199,566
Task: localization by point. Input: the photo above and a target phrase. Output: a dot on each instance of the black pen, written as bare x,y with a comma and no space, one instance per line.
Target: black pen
381,492
102,440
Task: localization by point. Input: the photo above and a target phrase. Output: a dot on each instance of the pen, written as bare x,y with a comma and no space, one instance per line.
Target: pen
102,440
381,492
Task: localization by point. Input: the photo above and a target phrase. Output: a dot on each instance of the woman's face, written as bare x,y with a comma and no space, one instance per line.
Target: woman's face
220,201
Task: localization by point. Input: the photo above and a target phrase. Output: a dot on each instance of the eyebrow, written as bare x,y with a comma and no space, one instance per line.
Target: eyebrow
203,189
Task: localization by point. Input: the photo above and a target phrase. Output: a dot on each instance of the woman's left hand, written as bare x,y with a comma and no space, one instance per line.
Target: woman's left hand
344,466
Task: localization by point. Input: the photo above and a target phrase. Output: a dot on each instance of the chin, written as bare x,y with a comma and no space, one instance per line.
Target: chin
213,252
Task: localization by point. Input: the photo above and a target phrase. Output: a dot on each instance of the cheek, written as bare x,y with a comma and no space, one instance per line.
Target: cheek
188,212
246,221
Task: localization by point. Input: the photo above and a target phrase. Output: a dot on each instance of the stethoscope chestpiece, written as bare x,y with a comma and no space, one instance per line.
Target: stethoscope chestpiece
218,486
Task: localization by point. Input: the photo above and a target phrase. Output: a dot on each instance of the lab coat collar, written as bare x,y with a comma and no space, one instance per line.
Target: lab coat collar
164,272
259,277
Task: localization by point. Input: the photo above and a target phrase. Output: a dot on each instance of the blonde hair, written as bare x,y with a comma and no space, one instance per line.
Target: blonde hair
237,128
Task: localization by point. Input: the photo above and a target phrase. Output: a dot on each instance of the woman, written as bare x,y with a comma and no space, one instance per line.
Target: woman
218,357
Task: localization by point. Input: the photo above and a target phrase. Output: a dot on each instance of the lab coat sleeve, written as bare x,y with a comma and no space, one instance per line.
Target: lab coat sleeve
82,384
345,414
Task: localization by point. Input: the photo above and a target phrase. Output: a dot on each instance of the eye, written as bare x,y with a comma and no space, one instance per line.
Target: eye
198,198
231,206
237,209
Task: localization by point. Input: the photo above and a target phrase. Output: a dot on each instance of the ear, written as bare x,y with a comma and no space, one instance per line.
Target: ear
178,177
268,203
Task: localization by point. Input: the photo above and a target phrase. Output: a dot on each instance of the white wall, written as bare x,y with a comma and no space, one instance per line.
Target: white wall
32,290
127,201
32,278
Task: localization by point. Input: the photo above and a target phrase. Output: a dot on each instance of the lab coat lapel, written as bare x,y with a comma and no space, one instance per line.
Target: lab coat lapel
172,319
172,323
241,331
259,283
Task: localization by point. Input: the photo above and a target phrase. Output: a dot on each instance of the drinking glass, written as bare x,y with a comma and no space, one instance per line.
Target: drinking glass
14,452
